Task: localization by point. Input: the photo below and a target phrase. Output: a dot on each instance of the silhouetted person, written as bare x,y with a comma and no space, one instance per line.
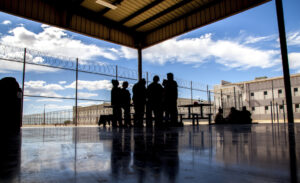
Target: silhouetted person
233,116
166,115
116,103
125,98
11,101
219,117
139,101
171,96
154,95
245,116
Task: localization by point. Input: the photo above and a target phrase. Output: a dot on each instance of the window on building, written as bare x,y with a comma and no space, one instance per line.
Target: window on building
253,108
297,108
266,108
265,93
280,91
252,94
295,89
280,106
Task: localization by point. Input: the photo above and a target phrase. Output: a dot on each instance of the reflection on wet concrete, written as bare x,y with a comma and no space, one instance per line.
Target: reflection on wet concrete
239,153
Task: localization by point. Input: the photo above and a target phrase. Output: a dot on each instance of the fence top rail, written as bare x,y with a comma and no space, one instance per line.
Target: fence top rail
36,57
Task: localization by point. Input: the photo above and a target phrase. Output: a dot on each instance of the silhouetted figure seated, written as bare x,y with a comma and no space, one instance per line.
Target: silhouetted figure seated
219,119
105,119
233,116
116,103
245,116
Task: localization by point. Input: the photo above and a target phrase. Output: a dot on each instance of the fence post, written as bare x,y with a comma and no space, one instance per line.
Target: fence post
273,101
234,97
222,100
283,111
277,112
191,92
76,93
147,78
23,86
249,93
271,111
44,114
207,93
116,72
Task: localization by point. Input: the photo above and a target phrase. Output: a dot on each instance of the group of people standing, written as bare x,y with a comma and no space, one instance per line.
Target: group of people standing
159,101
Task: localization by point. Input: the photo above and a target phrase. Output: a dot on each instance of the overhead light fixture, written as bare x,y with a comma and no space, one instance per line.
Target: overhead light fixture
106,4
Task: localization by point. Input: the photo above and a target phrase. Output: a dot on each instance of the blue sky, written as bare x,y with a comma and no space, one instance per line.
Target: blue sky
235,49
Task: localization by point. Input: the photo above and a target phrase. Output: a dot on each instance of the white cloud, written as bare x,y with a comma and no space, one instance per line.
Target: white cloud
196,51
129,53
6,22
56,41
92,85
62,82
49,100
41,88
86,95
294,59
293,38
252,39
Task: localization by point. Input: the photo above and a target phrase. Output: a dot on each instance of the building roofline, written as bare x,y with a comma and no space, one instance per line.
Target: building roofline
260,80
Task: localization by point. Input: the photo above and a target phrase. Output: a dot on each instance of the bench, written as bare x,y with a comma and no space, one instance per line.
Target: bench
195,117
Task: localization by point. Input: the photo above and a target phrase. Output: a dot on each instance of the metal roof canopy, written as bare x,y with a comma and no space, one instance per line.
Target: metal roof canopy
134,23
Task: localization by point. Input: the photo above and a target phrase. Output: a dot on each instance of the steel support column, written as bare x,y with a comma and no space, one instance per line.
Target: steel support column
285,62
288,92
140,74
76,94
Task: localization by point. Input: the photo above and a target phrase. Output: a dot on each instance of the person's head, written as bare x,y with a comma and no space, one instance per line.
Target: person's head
115,83
164,82
170,76
125,84
142,81
155,79
220,110
232,109
244,108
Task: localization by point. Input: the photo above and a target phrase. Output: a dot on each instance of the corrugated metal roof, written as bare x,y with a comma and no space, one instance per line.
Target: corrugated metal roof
133,23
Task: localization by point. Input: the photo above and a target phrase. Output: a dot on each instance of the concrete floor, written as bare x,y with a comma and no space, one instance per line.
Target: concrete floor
239,153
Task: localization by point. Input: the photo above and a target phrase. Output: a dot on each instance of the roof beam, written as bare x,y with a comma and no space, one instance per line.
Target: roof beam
81,11
212,3
140,11
105,10
74,4
160,14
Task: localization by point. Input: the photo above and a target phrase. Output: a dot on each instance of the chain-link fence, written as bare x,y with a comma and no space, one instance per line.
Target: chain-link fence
79,89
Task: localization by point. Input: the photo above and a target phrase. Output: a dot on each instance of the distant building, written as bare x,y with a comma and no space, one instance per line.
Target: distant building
91,114
258,95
